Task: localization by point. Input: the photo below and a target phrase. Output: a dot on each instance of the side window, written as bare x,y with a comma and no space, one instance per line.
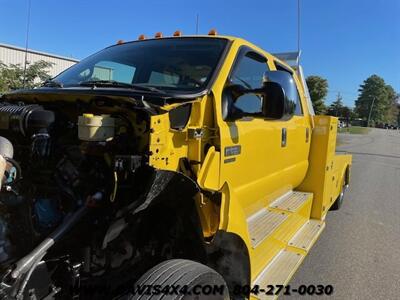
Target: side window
292,92
249,72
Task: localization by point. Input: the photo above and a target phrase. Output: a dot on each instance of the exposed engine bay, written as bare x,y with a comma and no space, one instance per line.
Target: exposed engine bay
74,195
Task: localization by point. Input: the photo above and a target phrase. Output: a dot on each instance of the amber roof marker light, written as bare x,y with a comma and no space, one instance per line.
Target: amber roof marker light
158,35
177,33
213,32
120,42
141,37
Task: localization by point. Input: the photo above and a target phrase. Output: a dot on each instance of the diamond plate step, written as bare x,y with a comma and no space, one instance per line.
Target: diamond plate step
262,224
307,235
279,271
290,201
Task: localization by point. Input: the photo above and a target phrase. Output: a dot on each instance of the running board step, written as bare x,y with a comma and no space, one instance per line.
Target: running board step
291,201
305,238
262,224
279,271
293,205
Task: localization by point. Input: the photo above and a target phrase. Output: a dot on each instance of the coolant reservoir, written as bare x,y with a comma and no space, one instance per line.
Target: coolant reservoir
96,128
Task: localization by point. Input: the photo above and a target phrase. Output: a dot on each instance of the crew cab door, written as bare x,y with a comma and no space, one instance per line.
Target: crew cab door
261,158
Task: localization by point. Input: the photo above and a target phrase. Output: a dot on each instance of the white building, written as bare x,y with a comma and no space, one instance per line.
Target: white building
15,55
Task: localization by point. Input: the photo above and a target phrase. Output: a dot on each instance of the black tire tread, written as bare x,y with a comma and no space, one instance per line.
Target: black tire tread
338,202
172,272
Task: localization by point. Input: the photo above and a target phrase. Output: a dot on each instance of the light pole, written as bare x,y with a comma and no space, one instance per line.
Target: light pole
197,24
26,43
298,33
370,111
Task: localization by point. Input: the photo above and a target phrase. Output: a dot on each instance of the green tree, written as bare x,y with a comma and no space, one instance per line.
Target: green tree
337,108
393,112
375,97
347,113
398,108
12,76
318,88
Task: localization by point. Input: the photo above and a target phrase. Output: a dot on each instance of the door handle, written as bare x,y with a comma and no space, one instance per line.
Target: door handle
284,137
307,134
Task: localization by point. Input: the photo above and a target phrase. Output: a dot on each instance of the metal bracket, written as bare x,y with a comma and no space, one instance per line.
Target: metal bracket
195,133
198,133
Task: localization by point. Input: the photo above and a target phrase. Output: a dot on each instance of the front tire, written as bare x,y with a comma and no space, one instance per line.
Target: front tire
200,282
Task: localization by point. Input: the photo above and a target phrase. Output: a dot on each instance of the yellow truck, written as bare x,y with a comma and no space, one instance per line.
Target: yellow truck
182,167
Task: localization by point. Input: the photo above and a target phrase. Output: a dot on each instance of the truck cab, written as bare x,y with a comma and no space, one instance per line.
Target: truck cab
182,160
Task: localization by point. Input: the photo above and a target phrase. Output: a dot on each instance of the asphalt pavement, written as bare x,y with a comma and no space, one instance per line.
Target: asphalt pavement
359,251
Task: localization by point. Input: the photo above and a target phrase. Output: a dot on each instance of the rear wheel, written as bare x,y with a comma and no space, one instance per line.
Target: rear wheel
339,200
180,279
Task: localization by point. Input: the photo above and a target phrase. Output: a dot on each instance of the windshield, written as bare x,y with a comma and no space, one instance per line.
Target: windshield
184,64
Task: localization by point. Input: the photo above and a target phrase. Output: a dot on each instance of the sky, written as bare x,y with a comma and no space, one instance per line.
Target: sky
344,41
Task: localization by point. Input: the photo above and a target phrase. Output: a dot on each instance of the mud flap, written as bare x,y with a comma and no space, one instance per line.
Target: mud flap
228,255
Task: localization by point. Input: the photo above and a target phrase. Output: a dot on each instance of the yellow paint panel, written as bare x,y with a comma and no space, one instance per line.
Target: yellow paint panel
208,177
326,169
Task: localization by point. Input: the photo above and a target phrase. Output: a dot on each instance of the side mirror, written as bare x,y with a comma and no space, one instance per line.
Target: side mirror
273,106
272,101
290,94
236,90
231,93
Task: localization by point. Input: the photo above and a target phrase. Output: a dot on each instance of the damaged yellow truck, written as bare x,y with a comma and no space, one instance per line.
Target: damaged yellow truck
185,161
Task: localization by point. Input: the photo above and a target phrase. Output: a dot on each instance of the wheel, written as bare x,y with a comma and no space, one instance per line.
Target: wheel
339,200
195,281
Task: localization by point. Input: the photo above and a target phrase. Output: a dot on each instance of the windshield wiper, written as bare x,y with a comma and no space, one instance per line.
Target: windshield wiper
114,83
52,83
